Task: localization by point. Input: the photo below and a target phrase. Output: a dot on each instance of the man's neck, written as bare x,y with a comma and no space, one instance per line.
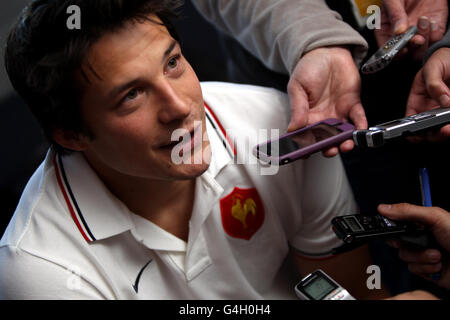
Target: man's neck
168,204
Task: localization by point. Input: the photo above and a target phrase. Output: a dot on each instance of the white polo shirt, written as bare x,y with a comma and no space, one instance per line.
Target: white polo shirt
70,238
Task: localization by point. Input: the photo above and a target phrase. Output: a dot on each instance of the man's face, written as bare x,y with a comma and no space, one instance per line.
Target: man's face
140,90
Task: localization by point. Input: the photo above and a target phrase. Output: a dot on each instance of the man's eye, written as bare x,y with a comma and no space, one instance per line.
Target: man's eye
132,94
173,62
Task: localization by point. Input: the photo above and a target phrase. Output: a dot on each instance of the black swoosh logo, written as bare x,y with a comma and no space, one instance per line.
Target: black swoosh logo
136,283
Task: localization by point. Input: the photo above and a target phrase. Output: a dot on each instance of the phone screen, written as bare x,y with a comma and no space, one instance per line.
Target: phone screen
303,139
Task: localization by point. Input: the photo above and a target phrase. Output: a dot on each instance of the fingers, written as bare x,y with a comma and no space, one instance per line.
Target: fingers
425,270
423,32
434,77
444,98
425,263
299,105
397,15
332,152
358,116
436,33
414,295
417,95
347,146
430,90
422,263
427,257
419,43
429,216
445,131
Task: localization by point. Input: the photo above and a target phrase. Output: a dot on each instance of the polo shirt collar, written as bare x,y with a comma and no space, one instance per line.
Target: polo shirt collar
97,213
154,237
221,151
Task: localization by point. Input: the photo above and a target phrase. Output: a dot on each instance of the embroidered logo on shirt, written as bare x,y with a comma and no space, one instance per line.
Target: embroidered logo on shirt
242,213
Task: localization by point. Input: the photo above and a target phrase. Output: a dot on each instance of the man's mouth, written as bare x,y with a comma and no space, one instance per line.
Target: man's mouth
186,141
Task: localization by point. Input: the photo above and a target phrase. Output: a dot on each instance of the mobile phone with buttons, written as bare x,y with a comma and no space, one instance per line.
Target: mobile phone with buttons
377,136
384,55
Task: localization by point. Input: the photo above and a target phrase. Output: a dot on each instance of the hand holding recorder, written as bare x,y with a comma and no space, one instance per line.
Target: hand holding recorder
429,261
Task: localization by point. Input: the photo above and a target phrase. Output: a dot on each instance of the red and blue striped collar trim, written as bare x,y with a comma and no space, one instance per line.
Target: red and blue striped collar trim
226,140
70,200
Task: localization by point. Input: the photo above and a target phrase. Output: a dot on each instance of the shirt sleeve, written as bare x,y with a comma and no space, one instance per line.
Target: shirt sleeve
326,193
280,32
24,276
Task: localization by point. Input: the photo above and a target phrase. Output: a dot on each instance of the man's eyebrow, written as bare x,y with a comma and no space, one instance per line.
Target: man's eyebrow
123,87
172,46
114,92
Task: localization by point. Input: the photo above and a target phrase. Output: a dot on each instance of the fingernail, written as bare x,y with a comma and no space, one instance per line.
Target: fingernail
444,100
434,256
385,207
399,27
424,23
434,25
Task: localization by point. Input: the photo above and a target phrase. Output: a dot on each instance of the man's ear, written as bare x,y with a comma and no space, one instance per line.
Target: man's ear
70,140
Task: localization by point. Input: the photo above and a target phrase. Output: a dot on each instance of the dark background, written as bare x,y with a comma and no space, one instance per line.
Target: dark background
384,175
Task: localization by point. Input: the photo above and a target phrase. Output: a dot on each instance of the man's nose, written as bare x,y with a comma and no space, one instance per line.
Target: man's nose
174,106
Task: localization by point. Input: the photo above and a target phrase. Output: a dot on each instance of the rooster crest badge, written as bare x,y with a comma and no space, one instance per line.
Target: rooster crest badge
242,213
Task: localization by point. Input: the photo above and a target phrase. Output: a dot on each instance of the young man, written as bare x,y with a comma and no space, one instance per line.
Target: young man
118,217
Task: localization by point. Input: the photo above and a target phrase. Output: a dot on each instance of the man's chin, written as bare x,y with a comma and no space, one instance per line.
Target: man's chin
189,171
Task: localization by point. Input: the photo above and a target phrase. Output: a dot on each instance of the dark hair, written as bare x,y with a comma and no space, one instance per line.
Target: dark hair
43,54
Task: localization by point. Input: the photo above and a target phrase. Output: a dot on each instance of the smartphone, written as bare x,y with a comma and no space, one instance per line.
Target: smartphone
304,142
388,51
320,286
360,229
376,136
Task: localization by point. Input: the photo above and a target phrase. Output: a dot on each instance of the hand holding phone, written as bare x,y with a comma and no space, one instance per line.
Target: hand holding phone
304,142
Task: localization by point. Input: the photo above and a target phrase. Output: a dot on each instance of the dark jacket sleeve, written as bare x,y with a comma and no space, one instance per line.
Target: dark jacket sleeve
443,43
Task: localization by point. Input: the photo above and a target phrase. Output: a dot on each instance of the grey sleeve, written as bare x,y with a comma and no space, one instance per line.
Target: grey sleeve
280,32
444,42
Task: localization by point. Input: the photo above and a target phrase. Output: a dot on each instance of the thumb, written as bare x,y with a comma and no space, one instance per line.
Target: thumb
428,216
397,15
435,85
299,106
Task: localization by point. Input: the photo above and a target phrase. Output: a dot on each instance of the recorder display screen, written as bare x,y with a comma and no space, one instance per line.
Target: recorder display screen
303,139
319,288
353,224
